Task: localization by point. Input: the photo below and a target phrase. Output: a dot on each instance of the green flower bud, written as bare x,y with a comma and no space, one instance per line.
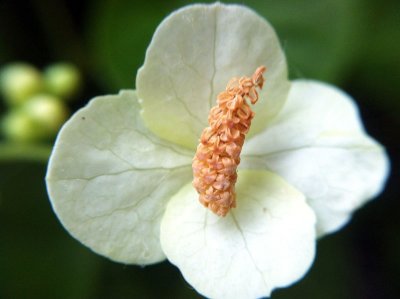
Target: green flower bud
47,111
19,81
19,127
63,80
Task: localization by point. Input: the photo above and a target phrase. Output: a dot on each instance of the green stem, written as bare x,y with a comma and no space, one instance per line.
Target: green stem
24,152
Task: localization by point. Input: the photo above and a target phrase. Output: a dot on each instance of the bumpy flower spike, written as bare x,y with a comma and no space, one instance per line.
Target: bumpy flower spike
218,154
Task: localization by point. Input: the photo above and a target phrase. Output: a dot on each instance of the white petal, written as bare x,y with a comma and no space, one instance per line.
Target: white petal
268,241
318,144
193,55
109,179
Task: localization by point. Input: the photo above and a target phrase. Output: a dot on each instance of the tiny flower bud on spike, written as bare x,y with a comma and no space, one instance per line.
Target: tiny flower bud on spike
218,154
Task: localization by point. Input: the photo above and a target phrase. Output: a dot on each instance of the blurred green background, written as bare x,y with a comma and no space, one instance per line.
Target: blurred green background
354,44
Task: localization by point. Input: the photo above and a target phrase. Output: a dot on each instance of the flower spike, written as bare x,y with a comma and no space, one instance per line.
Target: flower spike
218,154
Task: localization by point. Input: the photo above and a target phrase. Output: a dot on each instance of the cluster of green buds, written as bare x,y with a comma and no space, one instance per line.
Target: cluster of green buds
36,101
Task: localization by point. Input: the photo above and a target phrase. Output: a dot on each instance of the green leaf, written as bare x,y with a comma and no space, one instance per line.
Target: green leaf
37,258
118,34
320,38
377,71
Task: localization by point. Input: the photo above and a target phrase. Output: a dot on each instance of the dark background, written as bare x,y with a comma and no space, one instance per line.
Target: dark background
353,44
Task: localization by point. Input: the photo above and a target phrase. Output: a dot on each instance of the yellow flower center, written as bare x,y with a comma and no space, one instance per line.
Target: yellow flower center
218,154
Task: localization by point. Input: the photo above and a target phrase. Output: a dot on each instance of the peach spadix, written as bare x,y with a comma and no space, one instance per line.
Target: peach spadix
218,154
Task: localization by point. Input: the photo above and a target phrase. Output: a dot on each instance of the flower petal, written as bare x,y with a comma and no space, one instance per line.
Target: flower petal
193,55
268,241
318,144
109,179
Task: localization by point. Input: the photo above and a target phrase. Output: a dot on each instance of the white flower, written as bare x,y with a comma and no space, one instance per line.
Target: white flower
120,176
